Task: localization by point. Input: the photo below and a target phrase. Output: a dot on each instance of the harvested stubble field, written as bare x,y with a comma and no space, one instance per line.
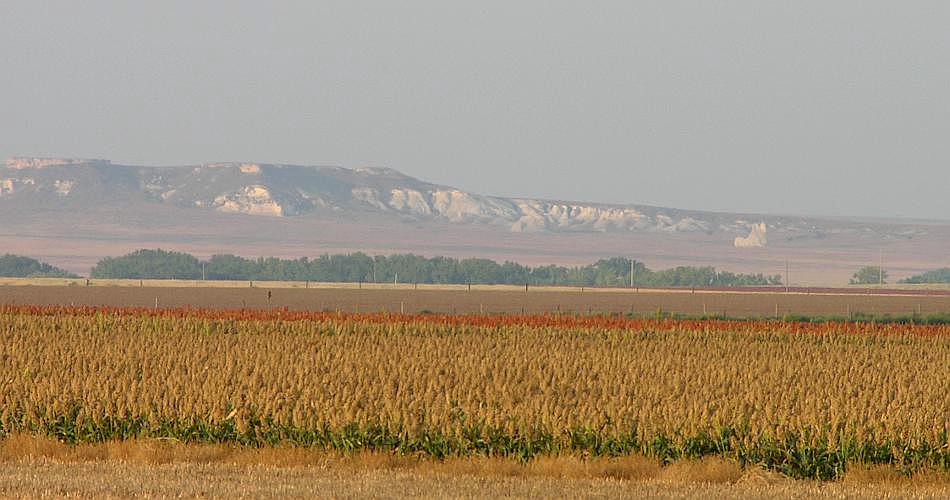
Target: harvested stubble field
800,399
483,299
42,467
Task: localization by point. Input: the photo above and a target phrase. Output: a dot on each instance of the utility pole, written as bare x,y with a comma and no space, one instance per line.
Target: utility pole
786,276
633,263
203,275
880,270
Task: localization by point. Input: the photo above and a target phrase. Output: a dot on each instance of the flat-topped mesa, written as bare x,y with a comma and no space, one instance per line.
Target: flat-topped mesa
22,162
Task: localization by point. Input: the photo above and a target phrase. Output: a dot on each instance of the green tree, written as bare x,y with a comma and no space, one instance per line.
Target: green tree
941,275
17,266
409,268
231,267
149,264
869,275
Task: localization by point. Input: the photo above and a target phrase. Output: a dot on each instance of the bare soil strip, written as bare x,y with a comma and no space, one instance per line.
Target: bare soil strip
481,300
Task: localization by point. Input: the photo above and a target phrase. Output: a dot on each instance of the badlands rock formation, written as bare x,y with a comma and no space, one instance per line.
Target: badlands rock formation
755,239
253,200
275,190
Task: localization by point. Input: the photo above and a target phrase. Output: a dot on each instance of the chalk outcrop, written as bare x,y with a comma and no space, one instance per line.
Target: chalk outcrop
278,190
252,200
755,239
288,190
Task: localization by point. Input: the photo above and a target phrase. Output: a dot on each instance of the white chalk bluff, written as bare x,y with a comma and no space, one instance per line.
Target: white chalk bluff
755,239
280,190
276,190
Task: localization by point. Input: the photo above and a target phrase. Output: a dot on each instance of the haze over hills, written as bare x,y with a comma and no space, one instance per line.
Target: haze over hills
294,190
94,208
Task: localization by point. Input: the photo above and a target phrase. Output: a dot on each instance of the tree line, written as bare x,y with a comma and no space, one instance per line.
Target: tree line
410,268
16,266
873,275
941,275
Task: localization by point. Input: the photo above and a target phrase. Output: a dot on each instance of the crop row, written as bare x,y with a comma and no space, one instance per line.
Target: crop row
791,324
754,391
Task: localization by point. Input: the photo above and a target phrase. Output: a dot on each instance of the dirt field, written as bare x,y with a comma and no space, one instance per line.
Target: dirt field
459,299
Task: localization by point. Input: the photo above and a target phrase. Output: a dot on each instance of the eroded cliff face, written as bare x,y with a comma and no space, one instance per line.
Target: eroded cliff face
259,189
538,215
252,200
755,239
520,215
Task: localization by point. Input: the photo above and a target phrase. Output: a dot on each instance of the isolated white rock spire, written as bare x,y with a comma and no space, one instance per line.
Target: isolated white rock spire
756,238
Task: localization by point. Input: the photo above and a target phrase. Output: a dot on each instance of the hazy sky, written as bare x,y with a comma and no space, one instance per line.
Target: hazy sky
839,108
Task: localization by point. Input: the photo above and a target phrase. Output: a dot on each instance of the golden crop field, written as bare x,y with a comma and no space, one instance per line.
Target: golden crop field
804,399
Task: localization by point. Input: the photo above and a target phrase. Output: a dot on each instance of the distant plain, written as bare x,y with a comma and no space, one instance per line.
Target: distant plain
408,298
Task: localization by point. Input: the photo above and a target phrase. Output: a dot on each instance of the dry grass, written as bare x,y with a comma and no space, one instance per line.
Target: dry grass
18,447
38,466
230,474
888,475
707,470
46,479
458,299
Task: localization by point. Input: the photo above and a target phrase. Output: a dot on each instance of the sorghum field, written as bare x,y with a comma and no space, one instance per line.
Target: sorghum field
807,400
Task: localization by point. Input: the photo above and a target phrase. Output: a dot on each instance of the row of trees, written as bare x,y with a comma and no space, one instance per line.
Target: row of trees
869,275
16,266
873,275
941,275
409,268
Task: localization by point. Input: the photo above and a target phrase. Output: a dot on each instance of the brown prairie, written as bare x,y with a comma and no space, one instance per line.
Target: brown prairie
480,299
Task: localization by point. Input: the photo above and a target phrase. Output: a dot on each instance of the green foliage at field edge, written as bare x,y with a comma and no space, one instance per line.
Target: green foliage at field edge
800,455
